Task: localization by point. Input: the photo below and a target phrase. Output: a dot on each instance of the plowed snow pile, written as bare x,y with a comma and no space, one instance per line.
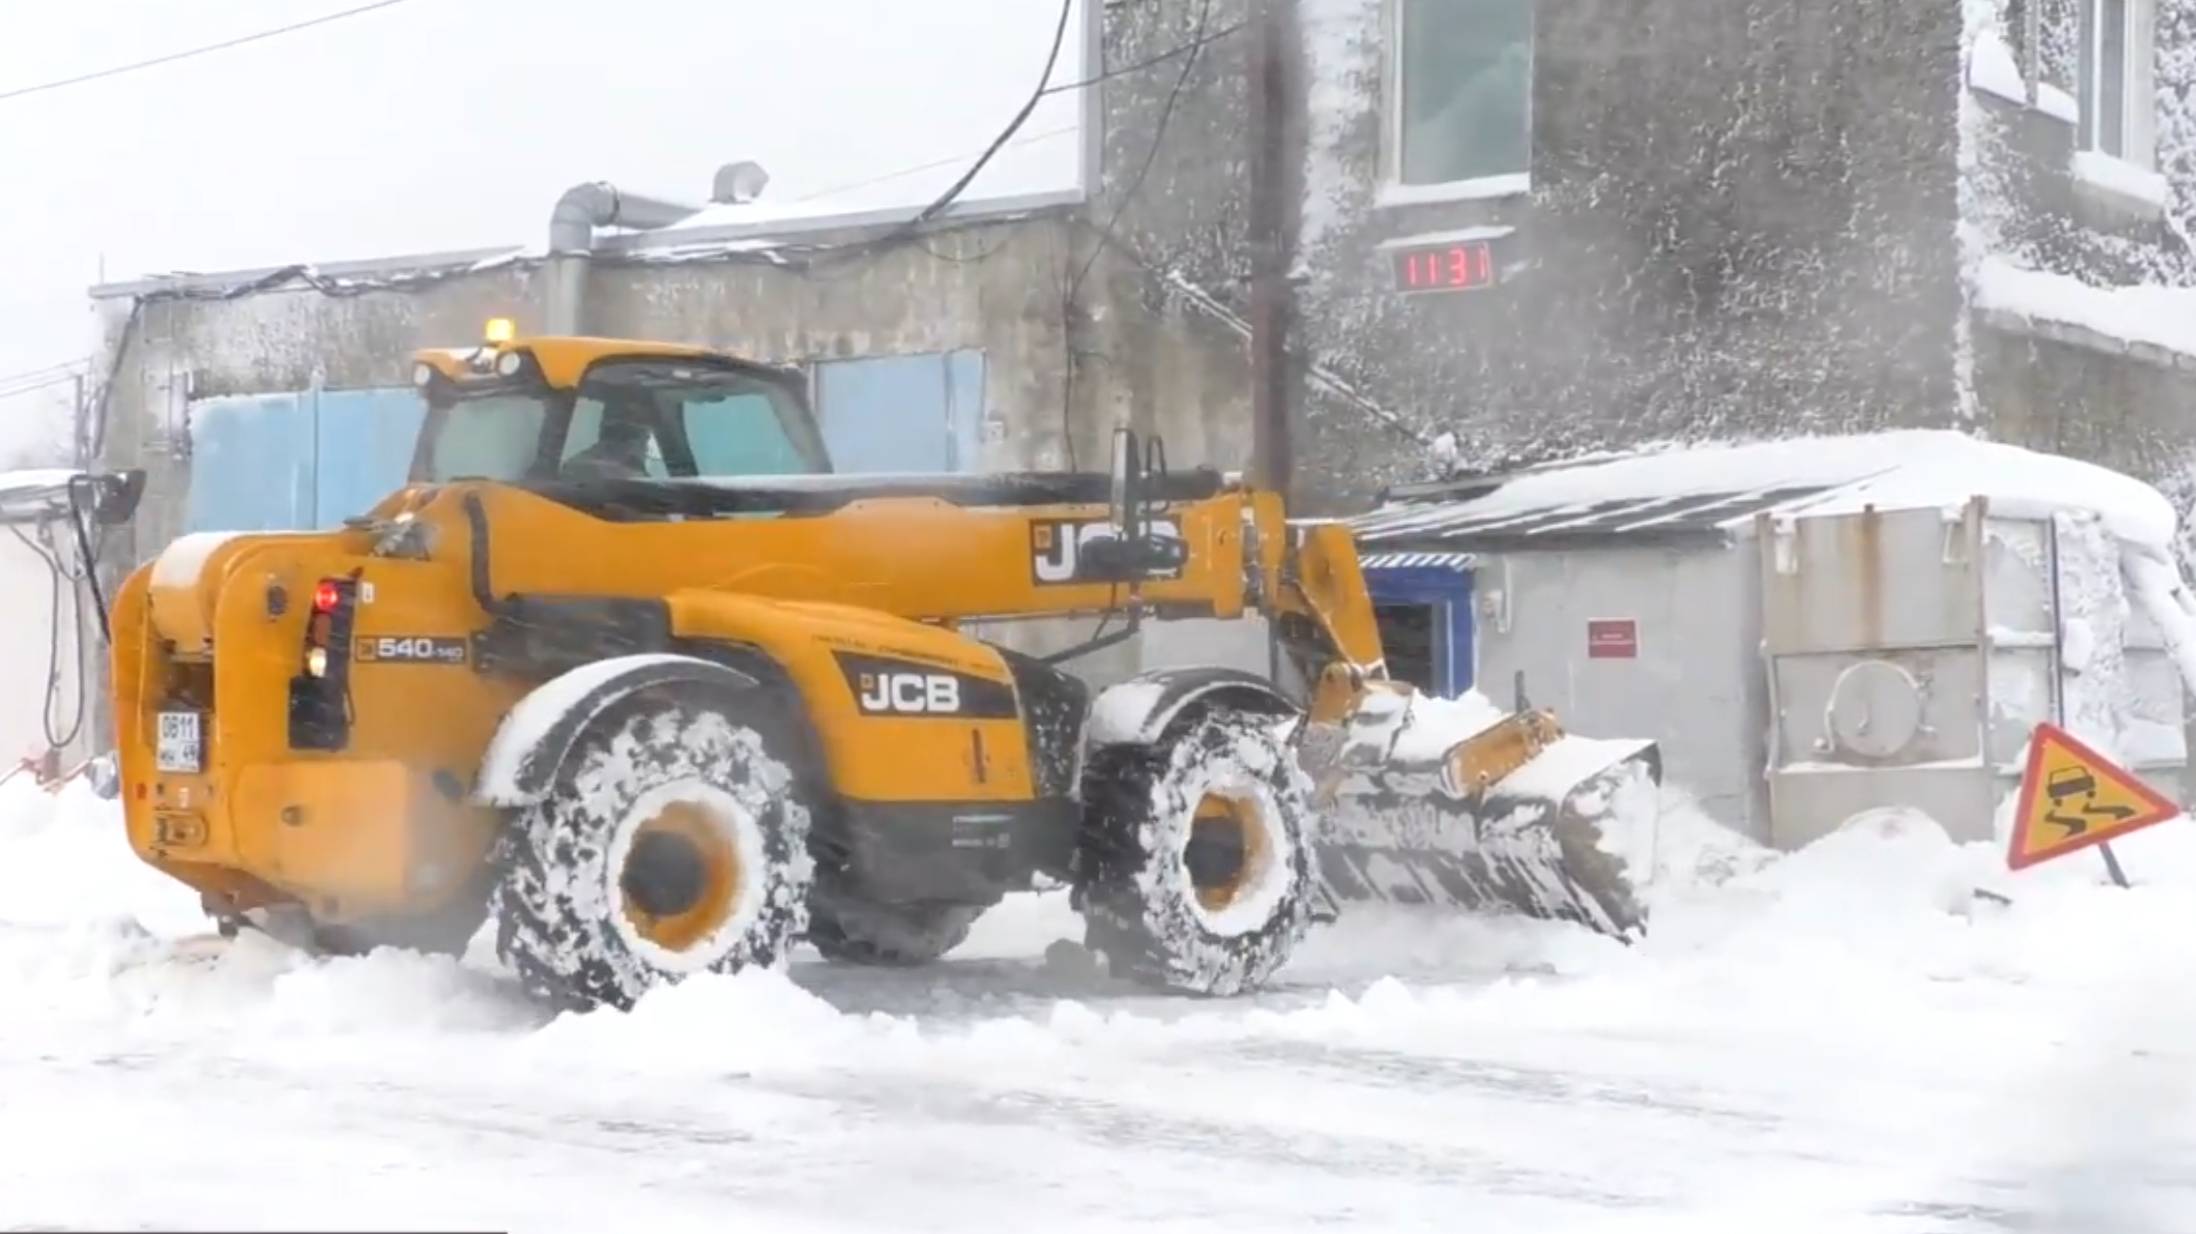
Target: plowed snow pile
1845,1038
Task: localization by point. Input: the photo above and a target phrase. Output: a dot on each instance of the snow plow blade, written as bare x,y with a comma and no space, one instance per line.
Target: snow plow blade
1512,815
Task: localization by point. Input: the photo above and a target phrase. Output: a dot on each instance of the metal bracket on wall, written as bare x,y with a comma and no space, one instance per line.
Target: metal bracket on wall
168,396
1783,537
1494,602
1961,531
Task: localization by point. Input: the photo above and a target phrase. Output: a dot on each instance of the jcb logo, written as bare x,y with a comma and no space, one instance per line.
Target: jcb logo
1056,546
922,694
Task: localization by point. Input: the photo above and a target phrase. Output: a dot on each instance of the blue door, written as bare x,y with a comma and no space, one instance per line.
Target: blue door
299,460
1427,596
902,413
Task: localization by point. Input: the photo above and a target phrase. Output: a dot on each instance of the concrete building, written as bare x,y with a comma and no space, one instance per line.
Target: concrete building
1545,228
1520,231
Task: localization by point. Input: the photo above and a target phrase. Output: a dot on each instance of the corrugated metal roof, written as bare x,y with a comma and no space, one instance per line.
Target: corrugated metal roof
1475,520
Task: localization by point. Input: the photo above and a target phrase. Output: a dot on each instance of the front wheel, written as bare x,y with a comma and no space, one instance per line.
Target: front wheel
1193,866
674,842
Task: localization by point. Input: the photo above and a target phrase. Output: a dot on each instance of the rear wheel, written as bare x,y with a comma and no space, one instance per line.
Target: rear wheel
674,842
1193,871
897,935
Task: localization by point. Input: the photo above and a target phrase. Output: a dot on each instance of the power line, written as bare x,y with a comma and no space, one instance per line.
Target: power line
934,164
172,57
1064,87
1151,61
20,391
65,367
1120,206
899,235
11,388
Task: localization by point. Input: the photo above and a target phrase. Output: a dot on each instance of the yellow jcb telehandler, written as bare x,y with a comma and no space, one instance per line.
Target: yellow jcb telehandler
627,670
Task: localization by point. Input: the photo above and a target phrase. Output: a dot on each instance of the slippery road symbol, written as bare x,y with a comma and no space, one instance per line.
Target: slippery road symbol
2068,783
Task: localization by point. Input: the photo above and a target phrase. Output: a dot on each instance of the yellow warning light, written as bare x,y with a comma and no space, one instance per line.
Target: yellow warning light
501,330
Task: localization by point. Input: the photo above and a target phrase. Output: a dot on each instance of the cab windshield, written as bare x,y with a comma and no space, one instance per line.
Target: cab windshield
629,420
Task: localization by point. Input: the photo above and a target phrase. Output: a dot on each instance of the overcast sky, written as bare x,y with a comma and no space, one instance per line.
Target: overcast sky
438,124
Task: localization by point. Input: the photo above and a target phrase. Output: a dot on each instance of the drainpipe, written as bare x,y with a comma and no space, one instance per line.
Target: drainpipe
582,209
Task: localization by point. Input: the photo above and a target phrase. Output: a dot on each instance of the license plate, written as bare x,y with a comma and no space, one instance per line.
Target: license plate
182,744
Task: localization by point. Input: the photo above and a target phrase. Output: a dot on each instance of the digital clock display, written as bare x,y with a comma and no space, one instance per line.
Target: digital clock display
1457,266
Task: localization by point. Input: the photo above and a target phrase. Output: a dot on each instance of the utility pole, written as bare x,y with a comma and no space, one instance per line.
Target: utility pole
1272,241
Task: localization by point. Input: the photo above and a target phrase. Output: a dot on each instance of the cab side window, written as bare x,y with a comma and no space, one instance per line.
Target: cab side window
738,434
607,443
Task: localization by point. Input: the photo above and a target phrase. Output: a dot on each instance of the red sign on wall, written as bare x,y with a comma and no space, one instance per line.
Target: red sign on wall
1612,640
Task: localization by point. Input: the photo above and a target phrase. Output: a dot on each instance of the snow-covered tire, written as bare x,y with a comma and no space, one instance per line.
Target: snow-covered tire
1192,920
661,803
894,935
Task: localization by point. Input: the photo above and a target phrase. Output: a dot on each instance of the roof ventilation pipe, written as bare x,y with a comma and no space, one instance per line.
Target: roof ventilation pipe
582,209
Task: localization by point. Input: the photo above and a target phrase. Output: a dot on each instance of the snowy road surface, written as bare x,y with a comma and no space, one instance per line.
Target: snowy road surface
1841,1040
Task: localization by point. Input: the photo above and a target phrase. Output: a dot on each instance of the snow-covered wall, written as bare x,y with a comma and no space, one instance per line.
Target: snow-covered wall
1736,224
2080,273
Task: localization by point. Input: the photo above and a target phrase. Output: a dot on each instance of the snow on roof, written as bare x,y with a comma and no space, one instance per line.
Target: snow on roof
1721,486
2163,317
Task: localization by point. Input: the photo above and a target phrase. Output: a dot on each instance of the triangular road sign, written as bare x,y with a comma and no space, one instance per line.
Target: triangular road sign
2073,797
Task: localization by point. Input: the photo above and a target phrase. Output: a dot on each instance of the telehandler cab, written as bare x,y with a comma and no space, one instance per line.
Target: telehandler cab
627,670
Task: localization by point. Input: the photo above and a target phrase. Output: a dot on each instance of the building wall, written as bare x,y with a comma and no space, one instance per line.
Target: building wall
1738,223
1697,684
2076,391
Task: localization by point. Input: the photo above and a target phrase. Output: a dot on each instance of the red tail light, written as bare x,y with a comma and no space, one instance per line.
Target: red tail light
327,596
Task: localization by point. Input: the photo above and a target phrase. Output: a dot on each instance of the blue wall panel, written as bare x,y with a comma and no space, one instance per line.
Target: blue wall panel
251,463
902,413
364,443
310,459
297,461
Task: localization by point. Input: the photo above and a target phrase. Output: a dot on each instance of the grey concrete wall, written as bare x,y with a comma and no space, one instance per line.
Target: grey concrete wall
2065,390
174,351
1739,223
1697,686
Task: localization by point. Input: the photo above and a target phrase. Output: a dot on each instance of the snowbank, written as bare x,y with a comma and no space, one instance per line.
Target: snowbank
1825,1038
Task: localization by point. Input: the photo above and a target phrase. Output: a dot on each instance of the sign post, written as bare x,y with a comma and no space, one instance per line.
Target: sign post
2074,798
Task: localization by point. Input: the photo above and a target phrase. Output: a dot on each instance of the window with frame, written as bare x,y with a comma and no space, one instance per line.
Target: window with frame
2111,40
1462,93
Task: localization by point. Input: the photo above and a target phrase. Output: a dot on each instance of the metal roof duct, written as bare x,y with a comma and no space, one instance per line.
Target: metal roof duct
582,209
